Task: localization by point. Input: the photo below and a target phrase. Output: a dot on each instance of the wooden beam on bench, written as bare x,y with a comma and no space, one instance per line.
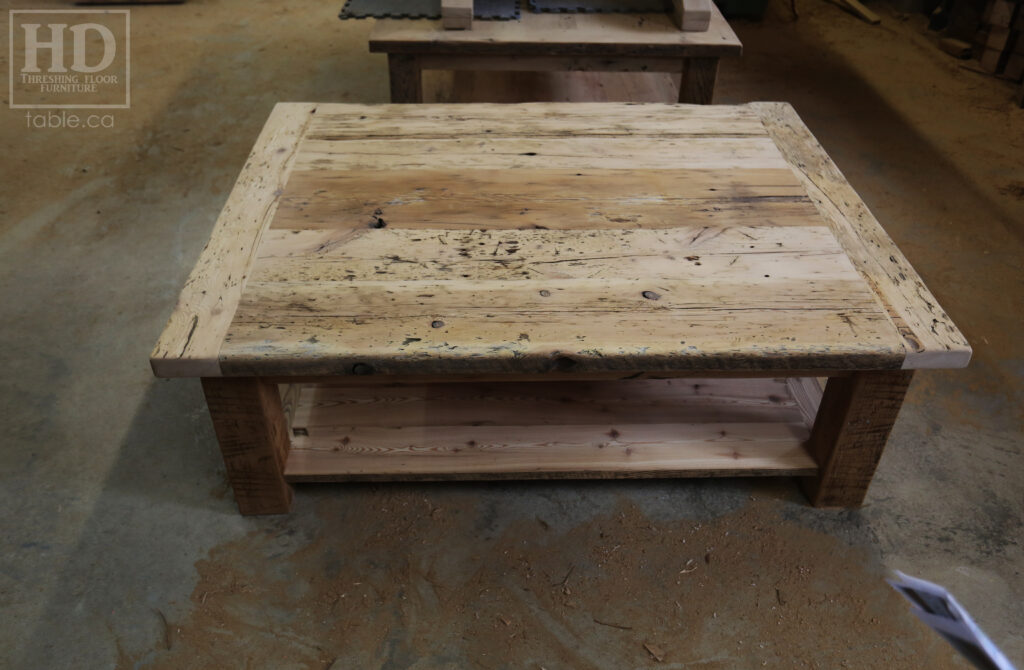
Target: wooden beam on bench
457,14
692,15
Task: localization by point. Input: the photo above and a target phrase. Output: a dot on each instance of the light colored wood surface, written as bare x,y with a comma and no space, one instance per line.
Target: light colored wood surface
578,238
692,15
545,269
558,199
548,34
930,337
806,393
697,427
191,340
457,14
617,152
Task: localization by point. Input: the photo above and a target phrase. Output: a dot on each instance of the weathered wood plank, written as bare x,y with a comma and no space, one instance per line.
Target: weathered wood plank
189,344
251,428
930,337
557,120
447,452
857,414
553,377
501,153
702,427
555,199
538,326
700,253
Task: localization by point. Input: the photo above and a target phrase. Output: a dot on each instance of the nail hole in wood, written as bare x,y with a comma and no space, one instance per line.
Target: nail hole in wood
651,295
437,324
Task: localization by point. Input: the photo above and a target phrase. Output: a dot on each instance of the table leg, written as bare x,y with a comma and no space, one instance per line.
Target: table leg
249,420
698,83
853,423
406,78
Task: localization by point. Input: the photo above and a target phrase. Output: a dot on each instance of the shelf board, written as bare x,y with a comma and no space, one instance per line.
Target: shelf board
537,430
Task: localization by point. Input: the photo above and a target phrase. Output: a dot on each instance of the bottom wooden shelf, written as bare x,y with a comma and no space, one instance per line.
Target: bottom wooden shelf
608,429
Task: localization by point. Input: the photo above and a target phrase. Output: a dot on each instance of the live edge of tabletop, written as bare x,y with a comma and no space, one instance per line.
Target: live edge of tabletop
549,290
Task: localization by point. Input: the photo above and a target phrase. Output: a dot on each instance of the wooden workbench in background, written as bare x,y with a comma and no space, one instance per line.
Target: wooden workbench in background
557,42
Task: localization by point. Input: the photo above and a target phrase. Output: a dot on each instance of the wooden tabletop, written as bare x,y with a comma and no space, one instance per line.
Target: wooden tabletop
548,34
547,238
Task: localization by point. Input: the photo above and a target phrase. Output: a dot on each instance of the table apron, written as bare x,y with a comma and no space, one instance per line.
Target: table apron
550,63
599,50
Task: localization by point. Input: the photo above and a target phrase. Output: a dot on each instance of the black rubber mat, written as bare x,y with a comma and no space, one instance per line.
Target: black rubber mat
601,6
499,10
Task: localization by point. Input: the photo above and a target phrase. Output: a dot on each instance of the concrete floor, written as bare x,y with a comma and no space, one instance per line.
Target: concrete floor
121,546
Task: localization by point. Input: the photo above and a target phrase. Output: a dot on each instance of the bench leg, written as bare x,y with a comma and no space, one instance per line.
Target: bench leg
406,78
698,84
853,423
253,433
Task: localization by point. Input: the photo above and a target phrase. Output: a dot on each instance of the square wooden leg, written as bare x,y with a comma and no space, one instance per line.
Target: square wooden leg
249,420
854,420
406,78
698,84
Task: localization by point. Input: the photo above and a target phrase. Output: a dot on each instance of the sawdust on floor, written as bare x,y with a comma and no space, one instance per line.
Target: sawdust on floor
390,580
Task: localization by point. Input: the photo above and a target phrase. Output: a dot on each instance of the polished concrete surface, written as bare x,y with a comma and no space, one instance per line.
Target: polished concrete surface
121,546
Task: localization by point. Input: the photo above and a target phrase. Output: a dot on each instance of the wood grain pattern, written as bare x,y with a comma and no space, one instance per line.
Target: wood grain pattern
544,34
621,251
610,429
621,152
544,198
930,337
698,253
337,328
251,429
191,340
532,238
554,120
857,414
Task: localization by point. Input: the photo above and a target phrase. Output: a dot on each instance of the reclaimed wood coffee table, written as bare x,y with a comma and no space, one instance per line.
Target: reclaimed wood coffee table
557,42
549,290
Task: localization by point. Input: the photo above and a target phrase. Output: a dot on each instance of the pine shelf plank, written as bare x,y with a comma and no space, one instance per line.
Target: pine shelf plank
624,429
